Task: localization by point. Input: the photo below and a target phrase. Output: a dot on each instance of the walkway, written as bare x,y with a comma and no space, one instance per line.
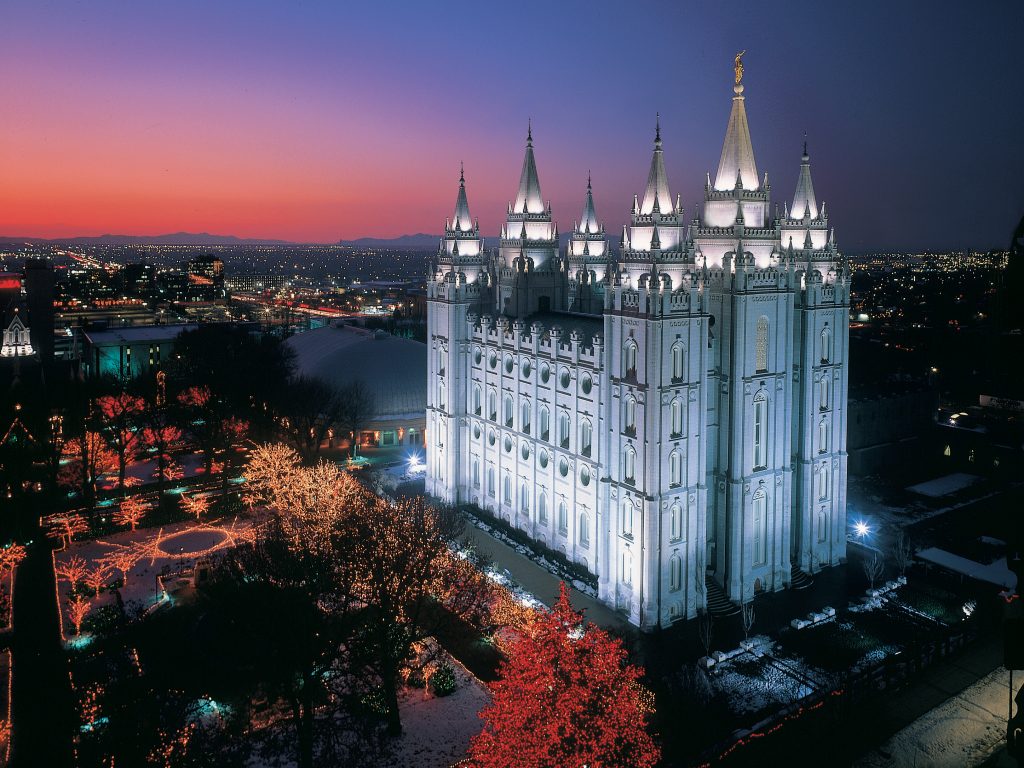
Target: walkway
42,712
539,581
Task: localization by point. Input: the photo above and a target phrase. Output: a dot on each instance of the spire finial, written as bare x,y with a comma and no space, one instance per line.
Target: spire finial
588,181
462,173
529,131
657,129
805,145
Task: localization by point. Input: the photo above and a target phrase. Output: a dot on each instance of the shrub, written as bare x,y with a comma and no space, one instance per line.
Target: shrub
442,682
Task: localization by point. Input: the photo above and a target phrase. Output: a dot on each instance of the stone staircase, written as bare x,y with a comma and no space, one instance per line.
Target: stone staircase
718,604
799,579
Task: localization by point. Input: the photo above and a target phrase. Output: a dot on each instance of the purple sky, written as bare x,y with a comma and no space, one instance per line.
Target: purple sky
316,121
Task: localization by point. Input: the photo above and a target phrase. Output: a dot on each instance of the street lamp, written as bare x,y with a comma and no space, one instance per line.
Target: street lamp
862,529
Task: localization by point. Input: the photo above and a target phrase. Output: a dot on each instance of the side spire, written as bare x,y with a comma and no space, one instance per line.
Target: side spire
737,152
657,195
804,202
529,200
588,223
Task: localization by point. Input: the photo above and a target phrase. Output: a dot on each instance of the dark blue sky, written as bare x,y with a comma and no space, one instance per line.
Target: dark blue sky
313,121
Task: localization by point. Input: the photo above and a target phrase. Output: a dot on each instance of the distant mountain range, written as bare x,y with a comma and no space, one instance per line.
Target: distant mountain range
177,238
425,241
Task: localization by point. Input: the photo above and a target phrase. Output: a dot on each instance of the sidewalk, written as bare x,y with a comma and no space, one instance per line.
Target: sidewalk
541,583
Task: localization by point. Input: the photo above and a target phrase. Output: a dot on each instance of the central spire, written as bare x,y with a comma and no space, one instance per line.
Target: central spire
804,202
737,165
529,200
462,220
657,194
589,224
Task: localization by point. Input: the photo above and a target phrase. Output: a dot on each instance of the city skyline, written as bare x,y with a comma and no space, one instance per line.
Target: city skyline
158,120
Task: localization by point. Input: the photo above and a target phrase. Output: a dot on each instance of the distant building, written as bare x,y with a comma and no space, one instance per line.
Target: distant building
17,341
139,280
393,369
888,432
206,279
129,352
255,283
40,286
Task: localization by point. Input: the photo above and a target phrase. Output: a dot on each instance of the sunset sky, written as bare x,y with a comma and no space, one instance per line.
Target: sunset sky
318,121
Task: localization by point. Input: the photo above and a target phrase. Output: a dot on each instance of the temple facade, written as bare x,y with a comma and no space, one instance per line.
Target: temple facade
670,414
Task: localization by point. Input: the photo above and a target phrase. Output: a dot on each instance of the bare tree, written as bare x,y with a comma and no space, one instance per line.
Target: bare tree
312,408
902,552
705,631
357,403
748,619
873,568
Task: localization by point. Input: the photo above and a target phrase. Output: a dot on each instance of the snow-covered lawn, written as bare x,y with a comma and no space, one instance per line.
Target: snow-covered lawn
756,683
155,550
943,486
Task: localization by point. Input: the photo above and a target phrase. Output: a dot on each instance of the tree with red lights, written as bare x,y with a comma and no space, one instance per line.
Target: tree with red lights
78,607
65,526
215,429
86,459
565,697
131,512
162,438
196,505
72,569
121,559
120,414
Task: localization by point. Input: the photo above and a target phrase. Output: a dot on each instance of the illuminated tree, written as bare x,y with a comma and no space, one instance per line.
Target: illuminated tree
86,459
11,556
65,526
565,697
121,559
96,578
72,569
120,414
162,438
196,505
131,512
78,607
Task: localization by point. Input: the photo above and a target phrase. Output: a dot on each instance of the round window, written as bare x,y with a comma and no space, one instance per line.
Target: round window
476,430
477,355
526,368
491,437
586,384
508,444
563,467
545,372
563,378
492,359
542,457
509,363
585,476
526,451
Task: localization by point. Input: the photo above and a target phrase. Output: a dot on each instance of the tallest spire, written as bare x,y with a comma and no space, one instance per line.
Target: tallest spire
737,165
657,194
529,200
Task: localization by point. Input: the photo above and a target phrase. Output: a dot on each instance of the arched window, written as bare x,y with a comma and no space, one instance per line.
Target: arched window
760,525
760,430
823,393
490,482
542,508
476,472
506,495
492,405
629,360
761,346
545,427
563,517
524,417
584,530
676,522
627,567
675,469
629,465
822,525
627,517
826,345
823,436
677,361
586,436
476,399
440,396
524,497
563,429
440,361
508,409
675,573
629,416
823,481
677,417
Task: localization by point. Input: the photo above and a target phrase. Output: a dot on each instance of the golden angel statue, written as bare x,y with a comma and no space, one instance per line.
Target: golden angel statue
739,66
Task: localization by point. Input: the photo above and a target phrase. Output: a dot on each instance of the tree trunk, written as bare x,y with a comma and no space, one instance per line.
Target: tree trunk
391,699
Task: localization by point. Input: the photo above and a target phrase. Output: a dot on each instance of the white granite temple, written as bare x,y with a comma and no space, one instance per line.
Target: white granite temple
671,415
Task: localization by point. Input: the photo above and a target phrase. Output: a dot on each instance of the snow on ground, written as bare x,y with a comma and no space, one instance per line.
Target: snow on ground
436,731
993,573
190,537
943,486
755,683
963,731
